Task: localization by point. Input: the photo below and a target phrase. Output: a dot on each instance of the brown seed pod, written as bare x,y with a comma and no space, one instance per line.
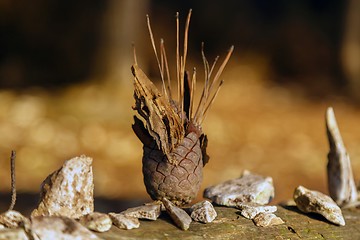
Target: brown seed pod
174,150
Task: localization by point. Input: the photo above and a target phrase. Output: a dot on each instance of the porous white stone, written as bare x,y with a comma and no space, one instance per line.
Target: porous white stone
149,211
341,182
68,191
13,233
57,227
99,222
203,212
124,222
178,215
267,219
248,188
317,202
250,210
14,219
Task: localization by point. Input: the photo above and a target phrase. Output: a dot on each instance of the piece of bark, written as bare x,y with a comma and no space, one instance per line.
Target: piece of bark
317,202
178,215
68,191
58,227
248,188
95,221
267,219
149,212
250,210
203,212
124,222
340,177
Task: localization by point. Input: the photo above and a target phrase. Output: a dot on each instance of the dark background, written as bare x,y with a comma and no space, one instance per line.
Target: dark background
56,43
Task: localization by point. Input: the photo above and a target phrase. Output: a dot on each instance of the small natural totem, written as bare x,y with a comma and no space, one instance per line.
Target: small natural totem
174,145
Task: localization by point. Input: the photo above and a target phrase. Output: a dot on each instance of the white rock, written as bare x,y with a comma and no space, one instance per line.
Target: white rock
149,212
341,182
99,222
267,219
68,191
14,233
124,222
250,210
248,188
203,212
317,202
14,219
55,227
178,215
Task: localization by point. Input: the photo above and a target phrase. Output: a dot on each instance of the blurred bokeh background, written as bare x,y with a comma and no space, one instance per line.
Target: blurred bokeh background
66,88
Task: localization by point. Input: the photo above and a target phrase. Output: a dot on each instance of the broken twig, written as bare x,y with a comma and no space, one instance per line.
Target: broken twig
13,180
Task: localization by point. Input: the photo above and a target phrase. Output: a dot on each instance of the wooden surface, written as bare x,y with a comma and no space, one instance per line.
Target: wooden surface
230,225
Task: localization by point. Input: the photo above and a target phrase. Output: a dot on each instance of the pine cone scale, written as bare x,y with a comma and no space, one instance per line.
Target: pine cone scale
177,182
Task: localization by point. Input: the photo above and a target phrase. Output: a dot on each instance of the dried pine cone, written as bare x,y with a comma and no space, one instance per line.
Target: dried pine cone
174,150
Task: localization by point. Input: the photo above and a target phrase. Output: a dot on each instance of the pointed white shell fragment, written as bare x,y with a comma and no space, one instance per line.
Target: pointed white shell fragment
68,191
250,210
14,219
178,215
149,212
203,212
54,227
13,233
317,202
95,221
124,222
267,219
248,188
340,177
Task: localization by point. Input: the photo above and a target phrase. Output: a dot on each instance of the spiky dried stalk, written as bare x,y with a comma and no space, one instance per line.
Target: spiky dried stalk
13,180
174,144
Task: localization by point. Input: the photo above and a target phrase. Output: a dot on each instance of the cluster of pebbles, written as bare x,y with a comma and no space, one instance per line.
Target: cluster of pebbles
66,206
341,184
250,193
66,209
